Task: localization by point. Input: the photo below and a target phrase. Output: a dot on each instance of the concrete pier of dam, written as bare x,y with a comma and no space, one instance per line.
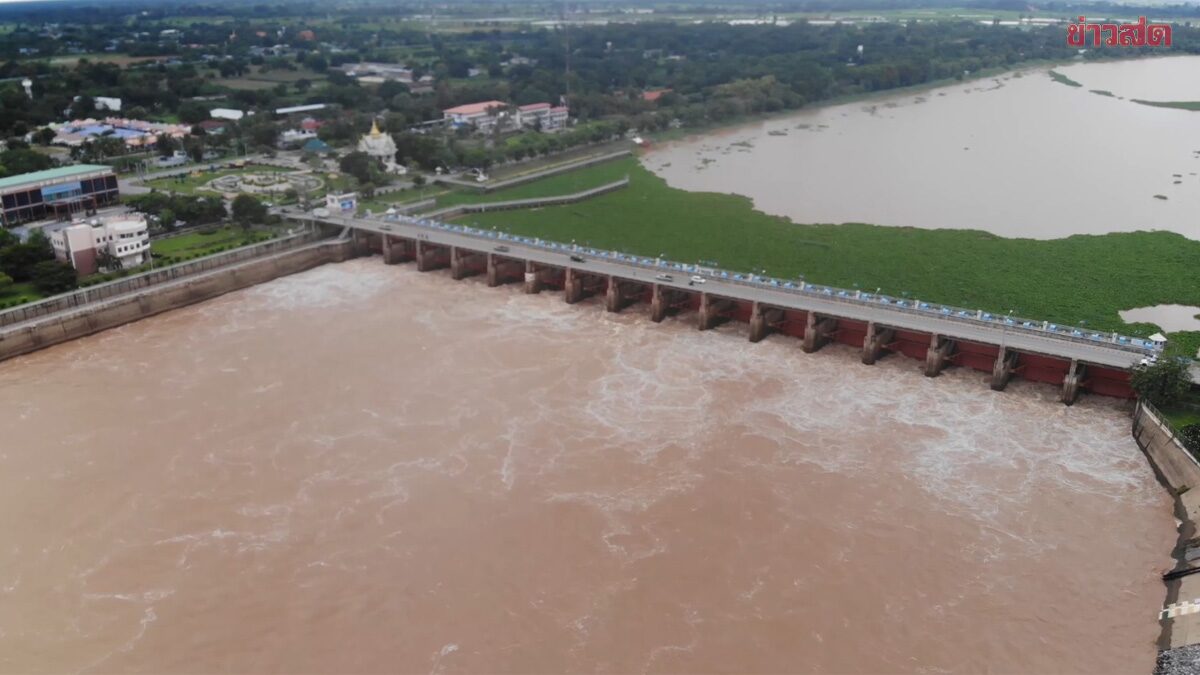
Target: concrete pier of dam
940,339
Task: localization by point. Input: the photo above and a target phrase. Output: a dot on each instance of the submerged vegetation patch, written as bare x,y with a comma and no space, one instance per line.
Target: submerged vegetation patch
1178,105
1063,79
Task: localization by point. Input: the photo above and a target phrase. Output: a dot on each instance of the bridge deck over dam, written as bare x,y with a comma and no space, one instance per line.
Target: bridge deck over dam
879,325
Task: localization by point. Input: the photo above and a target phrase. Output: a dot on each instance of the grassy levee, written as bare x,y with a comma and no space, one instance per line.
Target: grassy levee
1079,278
561,184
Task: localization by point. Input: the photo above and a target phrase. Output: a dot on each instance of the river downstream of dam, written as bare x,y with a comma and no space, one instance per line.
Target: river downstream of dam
361,468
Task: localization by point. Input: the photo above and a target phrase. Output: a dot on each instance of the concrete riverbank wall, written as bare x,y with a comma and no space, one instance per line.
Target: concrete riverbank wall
118,309
1179,472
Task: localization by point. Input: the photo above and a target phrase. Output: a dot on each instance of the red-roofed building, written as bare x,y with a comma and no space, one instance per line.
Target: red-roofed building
309,124
484,115
652,95
307,35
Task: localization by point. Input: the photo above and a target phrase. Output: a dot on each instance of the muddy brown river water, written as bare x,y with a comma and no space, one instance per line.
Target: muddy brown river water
365,469
1018,155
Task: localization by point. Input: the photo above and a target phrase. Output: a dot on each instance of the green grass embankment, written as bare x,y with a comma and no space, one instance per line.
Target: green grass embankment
1081,278
561,184
170,250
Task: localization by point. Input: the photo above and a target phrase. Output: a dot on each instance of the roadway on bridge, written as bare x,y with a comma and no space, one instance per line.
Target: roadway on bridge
1097,353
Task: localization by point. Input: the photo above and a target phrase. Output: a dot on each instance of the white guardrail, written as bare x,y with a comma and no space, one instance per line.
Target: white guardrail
803,288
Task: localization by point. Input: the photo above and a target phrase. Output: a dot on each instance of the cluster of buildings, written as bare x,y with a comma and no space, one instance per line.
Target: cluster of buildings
135,133
378,73
487,116
56,193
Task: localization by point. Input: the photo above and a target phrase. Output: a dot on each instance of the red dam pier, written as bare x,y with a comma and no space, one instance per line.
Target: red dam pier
816,316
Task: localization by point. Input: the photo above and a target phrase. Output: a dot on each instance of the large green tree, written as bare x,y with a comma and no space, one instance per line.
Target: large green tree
1162,382
248,210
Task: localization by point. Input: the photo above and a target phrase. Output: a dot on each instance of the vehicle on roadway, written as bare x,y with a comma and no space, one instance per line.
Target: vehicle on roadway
665,277
577,258
697,279
501,249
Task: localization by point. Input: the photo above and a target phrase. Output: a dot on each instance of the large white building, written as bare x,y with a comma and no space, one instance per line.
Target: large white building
543,116
124,238
484,116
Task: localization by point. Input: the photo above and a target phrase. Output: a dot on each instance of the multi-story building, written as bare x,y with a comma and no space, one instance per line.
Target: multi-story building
543,116
484,116
56,193
123,238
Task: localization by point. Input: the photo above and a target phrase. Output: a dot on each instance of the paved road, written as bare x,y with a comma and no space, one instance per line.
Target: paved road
1039,342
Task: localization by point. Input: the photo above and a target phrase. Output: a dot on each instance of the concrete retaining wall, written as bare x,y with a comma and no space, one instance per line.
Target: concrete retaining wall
1173,463
115,311
110,289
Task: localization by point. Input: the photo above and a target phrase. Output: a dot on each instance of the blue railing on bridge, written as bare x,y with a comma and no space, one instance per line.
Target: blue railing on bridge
855,297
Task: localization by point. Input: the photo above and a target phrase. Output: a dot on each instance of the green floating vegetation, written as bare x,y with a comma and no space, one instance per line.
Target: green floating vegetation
1178,105
1063,79
1083,278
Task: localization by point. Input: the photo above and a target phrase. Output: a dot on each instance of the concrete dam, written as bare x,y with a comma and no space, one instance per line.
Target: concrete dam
941,336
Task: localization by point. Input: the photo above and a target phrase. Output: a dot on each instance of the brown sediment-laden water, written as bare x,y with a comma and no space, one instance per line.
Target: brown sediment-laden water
364,469
1018,155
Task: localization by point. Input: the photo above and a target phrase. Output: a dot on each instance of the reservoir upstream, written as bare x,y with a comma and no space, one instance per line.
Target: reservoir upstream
1018,155
364,468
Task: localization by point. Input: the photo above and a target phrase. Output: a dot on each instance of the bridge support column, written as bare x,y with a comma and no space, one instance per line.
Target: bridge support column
939,352
493,274
614,300
658,304
874,342
1002,372
425,257
359,243
389,258
533,277
572,286
817,332
758,323
1072,382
